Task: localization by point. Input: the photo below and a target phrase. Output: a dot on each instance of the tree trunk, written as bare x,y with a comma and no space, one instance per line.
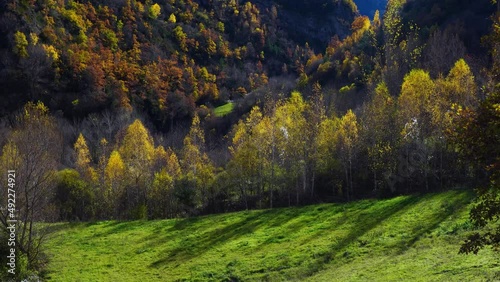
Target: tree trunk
312,183
289,198
441,166
297,190
304,180
350,178
347,183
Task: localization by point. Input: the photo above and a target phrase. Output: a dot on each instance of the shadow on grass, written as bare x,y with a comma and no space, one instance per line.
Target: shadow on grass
361,217
198,244
364,222
287,220
195,236
454,203
291,220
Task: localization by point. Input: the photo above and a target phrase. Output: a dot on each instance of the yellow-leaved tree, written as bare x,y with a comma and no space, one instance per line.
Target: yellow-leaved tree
161,201
378,133
83,160
293,139
114,179
198,170
137,150
414,112
245,168
348,142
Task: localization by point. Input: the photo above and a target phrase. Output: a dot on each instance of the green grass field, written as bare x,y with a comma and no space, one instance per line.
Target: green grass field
412,238
224,109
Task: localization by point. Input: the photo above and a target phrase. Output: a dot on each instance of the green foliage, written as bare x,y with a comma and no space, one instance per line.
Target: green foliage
161,202
110,39
74,197
477,136
181,37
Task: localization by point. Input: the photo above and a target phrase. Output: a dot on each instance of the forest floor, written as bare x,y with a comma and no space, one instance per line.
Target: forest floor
413,238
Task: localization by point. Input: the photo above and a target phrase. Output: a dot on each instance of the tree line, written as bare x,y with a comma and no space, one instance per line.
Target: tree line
291,152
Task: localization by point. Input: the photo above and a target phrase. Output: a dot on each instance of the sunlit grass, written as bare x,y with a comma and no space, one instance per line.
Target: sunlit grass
224,109
404,238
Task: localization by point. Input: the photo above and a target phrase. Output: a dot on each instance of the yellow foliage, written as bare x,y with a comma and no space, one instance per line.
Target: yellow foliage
51,52
83,159
114,173
10,158
115,168
173,166
154,11
82,152
415,95
137,148
33,38
172,18
21,43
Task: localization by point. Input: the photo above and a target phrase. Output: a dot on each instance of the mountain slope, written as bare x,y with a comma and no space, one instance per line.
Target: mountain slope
165,59
410,237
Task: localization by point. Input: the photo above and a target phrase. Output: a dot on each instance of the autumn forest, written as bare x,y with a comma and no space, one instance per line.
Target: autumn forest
145,110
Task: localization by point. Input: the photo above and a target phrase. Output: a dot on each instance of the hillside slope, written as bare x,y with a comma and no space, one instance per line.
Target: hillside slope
164,59
404,238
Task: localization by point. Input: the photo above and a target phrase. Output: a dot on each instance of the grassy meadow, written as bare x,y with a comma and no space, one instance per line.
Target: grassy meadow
224,109
413,238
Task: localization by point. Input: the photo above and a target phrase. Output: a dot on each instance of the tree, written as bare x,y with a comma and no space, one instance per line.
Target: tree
21,43
414,112
161,202
293,141
36,162
137,151
173,167
83,160
197,168
74,197
378,131
458,89
154,11
314,114
376,20
477,136
443,49
245,168
415,96
462,88
327,158
114,181
348,137
172,18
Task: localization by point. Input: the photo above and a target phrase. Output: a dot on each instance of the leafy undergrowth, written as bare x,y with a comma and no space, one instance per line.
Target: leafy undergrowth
404,238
